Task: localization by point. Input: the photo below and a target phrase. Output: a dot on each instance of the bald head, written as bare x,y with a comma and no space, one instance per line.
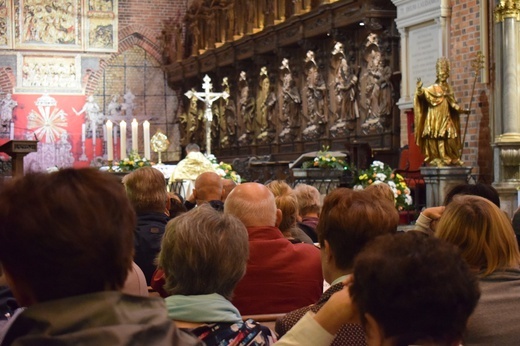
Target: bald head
208,187
253,204
228,186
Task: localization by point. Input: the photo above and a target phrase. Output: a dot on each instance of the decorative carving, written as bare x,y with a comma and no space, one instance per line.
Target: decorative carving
511,163
507,9
52,73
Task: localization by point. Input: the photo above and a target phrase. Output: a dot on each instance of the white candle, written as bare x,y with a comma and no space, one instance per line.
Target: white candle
146,138
110,141
83,130
122,128
135,135
11,133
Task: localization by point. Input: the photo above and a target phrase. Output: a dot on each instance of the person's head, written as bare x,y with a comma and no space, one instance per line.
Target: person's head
486,191
349,220
286,201
483,233
192,147
80,241
192,255
208,187
309,199
228,185
253,204
177,206
146,190
381,190
413,289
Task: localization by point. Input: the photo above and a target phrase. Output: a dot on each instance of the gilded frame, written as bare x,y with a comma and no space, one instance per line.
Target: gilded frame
6,40
52,25
101,25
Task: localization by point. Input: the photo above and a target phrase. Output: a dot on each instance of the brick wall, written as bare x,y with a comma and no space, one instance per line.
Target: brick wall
464,43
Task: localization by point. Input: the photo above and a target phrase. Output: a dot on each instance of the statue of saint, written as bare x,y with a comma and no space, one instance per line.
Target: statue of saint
316,90
6,110
114,107
191,120
345,87
128,106
264,105
227,118
93,116
291,98
247,105
437,120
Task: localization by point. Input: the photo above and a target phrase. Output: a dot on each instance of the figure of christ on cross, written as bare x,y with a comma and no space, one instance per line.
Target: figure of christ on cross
208,97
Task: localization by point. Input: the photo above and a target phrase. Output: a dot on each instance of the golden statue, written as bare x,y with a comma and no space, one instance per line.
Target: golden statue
437,120
159,143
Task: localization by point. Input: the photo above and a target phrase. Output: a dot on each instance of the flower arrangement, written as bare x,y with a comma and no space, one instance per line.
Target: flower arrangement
133,162
225,170
326,160
379,173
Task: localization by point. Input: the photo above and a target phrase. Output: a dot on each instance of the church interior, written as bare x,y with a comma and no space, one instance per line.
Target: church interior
225,172
256,83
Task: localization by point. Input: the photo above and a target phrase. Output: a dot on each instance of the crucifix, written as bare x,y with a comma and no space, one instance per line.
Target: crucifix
208,97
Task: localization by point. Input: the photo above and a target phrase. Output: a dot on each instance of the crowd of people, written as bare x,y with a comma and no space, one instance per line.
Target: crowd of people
79,253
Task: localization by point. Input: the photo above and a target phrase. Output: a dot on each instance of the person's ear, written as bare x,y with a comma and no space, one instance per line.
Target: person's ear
278,217
328,253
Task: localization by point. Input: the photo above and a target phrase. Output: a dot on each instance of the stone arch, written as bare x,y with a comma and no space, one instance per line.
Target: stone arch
132,35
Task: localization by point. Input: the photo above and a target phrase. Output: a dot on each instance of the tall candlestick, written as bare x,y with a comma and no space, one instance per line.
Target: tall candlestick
93,128
110,142
135,135
83,130
146,139
11,133
122,128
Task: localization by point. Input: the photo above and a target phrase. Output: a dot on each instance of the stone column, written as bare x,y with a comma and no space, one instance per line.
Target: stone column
507,105
506,16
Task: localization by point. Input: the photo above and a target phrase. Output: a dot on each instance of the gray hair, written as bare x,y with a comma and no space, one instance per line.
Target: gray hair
309,199
192,147
204,251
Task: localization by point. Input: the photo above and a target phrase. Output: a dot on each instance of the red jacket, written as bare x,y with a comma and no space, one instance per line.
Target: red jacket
280,276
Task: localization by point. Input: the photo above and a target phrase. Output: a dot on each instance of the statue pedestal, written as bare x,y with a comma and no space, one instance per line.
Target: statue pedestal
439,180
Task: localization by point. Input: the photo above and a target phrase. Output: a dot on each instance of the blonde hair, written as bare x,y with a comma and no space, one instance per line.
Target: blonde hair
146,190
308,197
482,232
287,202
